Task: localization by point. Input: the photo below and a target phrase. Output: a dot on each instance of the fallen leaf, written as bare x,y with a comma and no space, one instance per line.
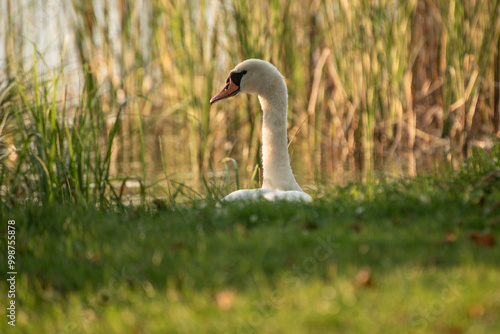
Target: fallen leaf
448,238
225,299
177,246
482,239
310,226
363,278
356,227
476,310
451,330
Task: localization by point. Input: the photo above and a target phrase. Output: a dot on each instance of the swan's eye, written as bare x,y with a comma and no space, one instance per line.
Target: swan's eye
236,77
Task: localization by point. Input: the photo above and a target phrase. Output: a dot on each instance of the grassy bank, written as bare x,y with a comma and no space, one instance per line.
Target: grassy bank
391,256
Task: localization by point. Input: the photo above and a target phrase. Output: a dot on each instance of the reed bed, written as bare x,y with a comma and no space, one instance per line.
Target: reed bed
126,100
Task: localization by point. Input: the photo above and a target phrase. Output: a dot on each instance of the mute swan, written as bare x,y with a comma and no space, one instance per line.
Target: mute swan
254,76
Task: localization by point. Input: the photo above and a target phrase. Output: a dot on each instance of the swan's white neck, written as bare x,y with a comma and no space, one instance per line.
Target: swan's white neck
275,159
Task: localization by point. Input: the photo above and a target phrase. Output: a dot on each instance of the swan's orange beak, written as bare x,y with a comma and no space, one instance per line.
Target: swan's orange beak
231,89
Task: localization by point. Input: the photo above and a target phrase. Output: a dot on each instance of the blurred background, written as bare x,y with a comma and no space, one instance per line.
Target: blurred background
99,97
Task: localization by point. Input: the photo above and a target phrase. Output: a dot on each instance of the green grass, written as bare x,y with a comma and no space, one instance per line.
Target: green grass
390,256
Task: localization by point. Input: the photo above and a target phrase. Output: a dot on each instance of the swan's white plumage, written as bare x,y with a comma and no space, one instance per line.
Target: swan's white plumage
262,78
269,194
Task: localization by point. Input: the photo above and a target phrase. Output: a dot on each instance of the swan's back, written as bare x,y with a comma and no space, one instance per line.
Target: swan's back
268,194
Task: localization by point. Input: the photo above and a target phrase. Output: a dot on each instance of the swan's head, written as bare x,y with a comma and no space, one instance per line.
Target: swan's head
252,76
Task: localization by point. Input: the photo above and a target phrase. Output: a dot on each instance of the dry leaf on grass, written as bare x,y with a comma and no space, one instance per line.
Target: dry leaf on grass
310,226
363,278
476,310
177,246
482,239
448,238
356,227
225,299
